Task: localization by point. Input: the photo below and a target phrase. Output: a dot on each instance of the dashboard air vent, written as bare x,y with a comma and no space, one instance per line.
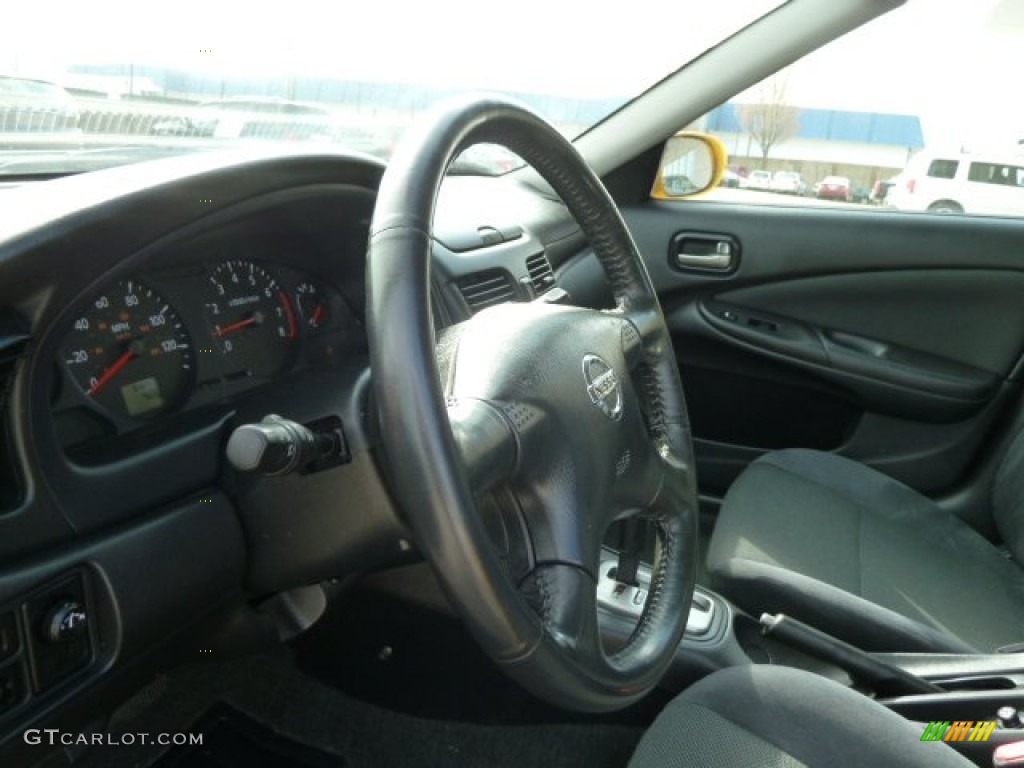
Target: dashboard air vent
541,275
485,289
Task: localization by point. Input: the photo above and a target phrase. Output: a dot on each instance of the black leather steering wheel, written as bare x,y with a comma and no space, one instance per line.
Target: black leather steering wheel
517,437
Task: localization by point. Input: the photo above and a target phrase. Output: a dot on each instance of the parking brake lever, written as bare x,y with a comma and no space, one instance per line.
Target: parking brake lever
884,679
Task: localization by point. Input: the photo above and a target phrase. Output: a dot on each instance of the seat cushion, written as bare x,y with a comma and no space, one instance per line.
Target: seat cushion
776,717
1008,496
863,557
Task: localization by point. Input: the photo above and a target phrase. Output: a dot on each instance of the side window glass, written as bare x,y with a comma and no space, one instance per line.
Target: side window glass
943,169
991,173
858,126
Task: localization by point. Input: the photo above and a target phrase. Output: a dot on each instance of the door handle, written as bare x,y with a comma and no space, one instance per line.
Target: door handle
705,252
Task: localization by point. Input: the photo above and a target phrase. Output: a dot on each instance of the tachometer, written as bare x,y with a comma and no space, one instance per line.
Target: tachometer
251,318
129,352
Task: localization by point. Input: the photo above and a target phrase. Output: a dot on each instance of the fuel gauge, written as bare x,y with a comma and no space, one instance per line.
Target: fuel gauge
312,303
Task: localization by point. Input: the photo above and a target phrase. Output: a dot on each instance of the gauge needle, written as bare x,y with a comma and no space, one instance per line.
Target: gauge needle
125,358
254,319
318,313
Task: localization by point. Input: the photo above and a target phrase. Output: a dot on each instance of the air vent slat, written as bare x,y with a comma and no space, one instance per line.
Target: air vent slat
499,290
541,275
486,289
477,306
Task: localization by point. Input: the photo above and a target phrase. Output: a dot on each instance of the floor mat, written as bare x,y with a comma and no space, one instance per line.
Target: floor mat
296,710
232,739
413,660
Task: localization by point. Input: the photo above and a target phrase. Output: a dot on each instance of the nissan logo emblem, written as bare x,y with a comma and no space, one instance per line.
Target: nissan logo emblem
603,386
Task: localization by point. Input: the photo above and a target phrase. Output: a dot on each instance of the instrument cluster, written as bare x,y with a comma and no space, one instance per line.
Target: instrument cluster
149,346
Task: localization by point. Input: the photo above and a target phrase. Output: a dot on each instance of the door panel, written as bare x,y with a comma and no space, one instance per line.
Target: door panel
890,338
945,312
885,377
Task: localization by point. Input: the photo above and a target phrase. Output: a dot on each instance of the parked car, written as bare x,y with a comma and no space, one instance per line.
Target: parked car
36,106
730,179
982,183
880,190
835,188
788,183
758,180
680,184
859,193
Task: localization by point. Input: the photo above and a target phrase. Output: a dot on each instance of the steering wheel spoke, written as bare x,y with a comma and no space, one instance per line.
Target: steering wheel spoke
639,483
487,443
564,598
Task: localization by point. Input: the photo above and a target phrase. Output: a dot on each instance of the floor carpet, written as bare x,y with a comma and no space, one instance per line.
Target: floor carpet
289,708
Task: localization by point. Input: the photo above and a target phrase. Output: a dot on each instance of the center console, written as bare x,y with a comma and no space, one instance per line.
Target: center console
710,641
939,691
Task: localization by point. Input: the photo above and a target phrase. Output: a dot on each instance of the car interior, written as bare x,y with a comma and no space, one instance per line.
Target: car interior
391,465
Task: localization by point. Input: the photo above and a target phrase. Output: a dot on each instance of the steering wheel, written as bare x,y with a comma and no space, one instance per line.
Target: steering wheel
515,438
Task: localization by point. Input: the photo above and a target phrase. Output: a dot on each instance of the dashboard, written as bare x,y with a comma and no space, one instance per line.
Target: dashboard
148,311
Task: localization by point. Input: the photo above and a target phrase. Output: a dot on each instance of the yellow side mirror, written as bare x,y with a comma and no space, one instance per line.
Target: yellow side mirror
691,164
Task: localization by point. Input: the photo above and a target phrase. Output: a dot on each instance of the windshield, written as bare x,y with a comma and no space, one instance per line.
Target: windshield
116,82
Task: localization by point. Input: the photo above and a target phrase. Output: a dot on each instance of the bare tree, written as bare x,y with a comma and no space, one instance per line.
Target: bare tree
771,119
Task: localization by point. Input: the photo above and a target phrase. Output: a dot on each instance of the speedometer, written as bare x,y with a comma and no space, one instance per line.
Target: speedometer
129,351
251,318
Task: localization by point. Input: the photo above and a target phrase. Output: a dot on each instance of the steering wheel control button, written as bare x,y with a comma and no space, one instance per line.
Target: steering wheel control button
65,622
9,643
603,386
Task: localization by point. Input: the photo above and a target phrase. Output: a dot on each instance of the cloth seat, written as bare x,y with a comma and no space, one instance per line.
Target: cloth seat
776,717
865,558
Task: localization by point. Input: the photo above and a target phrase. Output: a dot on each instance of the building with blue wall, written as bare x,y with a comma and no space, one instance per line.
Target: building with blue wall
863,146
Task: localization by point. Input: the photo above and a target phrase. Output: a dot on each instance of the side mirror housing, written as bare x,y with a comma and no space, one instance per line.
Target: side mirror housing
691,164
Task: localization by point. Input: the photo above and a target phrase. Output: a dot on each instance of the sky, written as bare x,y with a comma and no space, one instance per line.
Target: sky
953,62
525,45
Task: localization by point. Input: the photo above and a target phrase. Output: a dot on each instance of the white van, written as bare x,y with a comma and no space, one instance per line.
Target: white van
989,183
